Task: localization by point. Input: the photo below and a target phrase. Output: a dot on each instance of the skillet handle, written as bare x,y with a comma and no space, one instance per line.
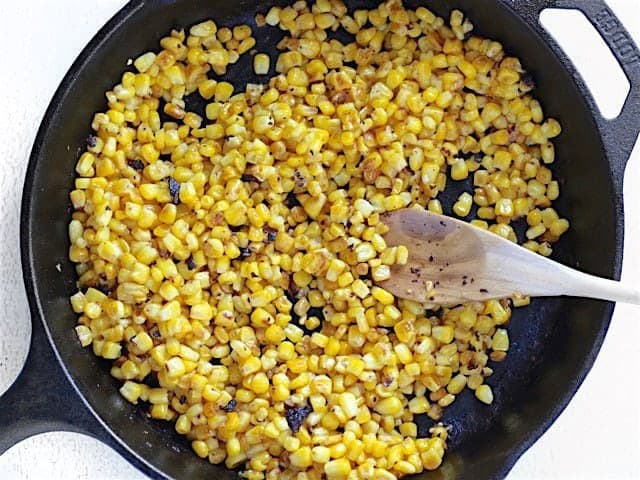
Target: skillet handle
618,134
43,400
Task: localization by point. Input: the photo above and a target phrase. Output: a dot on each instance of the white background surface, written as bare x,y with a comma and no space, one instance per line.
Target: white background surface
597,437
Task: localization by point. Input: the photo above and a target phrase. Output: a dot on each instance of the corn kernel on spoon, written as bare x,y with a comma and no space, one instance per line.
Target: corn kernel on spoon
451,262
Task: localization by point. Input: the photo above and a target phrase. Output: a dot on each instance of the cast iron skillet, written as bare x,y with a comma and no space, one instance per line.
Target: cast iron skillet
554,341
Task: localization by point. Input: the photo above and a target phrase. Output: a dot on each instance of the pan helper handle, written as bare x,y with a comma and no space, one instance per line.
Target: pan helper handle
42,399
621,133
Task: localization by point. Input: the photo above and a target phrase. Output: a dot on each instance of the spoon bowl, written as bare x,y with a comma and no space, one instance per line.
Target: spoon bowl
452,262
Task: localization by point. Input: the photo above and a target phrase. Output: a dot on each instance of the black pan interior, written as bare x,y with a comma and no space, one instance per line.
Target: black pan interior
554,341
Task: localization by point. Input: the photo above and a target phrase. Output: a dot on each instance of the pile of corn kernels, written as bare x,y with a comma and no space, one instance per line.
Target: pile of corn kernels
228,265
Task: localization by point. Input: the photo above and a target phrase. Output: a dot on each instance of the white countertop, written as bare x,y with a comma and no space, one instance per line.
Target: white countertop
598,435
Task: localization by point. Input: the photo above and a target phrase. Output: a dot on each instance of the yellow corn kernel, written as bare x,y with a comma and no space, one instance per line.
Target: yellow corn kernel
261,63
301,458
337,469
462,207
382,295
389,406
131,391
484,394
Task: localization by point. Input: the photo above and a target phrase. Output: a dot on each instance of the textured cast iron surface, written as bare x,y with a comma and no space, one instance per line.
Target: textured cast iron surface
554,341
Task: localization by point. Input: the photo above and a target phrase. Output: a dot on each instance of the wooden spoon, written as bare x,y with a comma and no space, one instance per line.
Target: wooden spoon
451,262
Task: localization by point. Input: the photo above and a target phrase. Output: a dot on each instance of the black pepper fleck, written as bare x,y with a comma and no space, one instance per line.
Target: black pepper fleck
191,263
92,141
245,252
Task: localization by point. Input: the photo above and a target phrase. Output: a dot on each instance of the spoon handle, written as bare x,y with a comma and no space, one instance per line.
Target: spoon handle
583,285
512,267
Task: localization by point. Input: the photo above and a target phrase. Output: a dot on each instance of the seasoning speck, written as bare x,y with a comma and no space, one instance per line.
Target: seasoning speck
296,416
191,263
527,81
292,201
136,164
92,141
174,190
245,252
271,234
248,178
231,406
293,289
